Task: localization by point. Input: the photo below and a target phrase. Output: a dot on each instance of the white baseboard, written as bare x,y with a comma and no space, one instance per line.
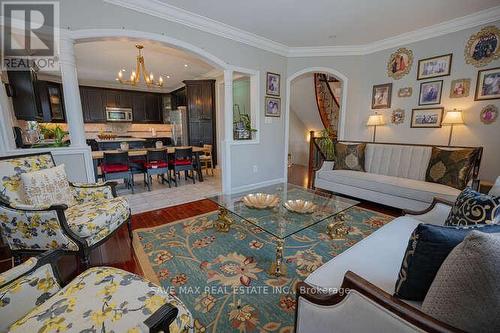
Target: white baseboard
256,185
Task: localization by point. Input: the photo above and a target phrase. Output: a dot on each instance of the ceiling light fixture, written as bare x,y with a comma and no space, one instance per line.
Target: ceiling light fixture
140,69
185,65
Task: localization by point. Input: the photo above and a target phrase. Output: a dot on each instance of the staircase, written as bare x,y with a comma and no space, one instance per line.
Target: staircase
328,89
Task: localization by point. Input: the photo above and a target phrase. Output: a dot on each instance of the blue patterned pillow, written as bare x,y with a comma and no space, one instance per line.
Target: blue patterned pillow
428,247
473,208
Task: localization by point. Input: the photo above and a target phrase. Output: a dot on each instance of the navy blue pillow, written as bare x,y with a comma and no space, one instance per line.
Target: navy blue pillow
472,207
428,247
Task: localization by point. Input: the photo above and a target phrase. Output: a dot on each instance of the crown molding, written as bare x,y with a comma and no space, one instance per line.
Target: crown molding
190,19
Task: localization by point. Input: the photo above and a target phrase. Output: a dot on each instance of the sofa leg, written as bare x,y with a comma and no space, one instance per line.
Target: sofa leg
85,260
17,259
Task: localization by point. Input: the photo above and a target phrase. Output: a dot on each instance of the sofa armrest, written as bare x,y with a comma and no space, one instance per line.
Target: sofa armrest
161,319
37,228
436,213
327,165
385,302
88,192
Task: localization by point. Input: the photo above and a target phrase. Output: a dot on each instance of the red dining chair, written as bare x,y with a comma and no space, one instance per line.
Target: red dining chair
156,164
116,166
182,161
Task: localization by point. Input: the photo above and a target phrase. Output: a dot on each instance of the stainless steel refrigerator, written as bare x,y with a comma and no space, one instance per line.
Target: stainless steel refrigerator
178,119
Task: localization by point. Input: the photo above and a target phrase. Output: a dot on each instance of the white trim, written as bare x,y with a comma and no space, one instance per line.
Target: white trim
257,185
342,110
190,19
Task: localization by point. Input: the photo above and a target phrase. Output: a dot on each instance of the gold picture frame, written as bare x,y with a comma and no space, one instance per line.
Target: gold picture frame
460,88
400,63
478,50
405,92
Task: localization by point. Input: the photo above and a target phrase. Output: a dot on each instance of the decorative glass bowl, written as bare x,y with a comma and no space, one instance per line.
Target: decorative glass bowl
300,206
261,200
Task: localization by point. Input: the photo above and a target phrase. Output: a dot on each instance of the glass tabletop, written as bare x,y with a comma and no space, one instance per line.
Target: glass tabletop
279,221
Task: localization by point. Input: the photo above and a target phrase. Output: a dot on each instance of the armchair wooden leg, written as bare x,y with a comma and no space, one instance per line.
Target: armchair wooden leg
129,226
85,260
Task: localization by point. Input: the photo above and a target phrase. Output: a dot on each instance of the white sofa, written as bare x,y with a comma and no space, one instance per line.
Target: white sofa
324,307
395,176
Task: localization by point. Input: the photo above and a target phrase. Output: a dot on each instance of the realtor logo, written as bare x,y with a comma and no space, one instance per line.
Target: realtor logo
30,35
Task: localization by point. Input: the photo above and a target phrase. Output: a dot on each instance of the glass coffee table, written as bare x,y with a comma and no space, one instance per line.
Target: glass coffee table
281,223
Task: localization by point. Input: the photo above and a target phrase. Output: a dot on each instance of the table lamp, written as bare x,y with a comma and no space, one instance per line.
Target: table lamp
375,120
453,117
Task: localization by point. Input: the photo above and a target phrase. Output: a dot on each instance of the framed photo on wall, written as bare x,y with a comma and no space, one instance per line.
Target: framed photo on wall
434,67
427,117
488,84
273,107
483,47
399,63
459,88
430,92
381,96
273,84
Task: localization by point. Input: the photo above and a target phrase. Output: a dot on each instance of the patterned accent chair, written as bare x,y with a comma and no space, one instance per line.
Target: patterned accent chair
33,299
97,214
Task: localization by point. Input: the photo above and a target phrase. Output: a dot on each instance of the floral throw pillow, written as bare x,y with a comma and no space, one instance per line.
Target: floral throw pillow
47,187
450,167
349,157
472,208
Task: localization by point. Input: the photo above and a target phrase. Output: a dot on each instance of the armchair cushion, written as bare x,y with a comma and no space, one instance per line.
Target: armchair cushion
84,192
17,271
20,296
47,186
106,298
95,220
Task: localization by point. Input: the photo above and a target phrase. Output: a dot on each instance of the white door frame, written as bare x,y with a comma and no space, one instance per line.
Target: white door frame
342,110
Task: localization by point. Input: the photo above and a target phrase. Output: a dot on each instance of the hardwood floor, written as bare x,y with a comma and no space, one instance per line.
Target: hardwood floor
117,251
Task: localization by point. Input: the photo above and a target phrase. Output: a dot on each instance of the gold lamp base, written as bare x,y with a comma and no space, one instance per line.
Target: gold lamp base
338,230
223,222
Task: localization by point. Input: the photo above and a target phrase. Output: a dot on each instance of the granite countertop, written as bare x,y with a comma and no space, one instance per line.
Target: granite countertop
130,139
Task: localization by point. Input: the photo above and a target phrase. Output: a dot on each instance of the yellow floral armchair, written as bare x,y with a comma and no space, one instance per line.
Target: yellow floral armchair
97,214
104,299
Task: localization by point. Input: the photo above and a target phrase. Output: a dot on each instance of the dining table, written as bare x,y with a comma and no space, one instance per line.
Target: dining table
98,155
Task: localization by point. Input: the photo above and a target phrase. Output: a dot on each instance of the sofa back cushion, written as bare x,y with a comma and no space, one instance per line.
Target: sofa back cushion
12,167
397,160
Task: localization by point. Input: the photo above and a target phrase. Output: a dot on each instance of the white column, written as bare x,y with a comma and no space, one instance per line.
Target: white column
72,102
6,132
228,131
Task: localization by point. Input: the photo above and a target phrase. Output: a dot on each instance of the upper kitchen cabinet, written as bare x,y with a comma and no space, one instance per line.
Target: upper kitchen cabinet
93,104
25,97
146,107
52,101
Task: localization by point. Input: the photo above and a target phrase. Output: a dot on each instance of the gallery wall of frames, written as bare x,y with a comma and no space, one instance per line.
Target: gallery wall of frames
414,86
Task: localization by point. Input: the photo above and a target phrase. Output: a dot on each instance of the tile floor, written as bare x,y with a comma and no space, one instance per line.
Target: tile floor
162,196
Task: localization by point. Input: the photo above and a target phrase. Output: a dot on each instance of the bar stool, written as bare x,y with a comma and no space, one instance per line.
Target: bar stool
116,166
156,164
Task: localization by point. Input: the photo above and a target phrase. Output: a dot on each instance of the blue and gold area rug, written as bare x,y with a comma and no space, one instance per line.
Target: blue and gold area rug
222,277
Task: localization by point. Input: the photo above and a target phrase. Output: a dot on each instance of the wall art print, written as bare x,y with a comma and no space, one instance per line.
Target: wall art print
399,63
483,47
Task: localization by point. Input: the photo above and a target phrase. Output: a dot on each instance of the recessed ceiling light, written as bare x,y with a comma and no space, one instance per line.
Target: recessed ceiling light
124,70
168,76
185,65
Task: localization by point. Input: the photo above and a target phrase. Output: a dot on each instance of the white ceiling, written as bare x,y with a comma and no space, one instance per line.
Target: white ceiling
299,23
99,62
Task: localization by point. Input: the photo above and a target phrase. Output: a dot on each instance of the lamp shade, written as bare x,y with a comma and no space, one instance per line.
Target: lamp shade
453,117
375,120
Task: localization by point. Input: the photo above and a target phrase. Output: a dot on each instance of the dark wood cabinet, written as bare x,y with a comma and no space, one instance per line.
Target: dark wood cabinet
25,99
200,102
146,107
51,102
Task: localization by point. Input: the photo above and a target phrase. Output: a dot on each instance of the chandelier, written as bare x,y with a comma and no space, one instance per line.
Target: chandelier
140,70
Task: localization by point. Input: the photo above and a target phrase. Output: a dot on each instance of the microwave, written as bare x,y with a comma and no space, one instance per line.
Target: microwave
118,114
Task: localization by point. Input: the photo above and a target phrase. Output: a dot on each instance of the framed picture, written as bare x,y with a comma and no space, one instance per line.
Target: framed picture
273,107
273,84
405,92
400,63
430,92
434,67
427,118
398,116
488,84
381,96
489,114
459,88
483,47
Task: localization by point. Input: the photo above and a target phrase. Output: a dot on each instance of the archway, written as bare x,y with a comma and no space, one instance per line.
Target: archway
342,114
85,35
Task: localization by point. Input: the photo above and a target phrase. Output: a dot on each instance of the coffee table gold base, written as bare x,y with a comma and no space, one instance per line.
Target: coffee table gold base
338,230
223,222
278,268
